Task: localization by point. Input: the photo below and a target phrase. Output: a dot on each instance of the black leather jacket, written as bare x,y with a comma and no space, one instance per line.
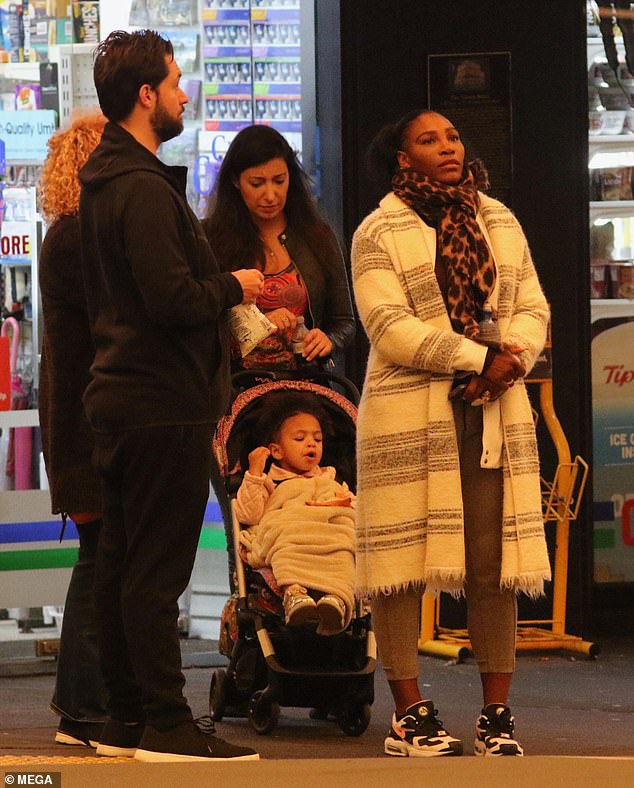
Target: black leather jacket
330,307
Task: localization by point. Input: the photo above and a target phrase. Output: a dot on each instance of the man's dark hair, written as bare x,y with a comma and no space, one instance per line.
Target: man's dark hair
123,63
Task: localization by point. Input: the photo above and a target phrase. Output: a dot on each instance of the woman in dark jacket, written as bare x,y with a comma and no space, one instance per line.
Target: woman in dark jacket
262,214
67,442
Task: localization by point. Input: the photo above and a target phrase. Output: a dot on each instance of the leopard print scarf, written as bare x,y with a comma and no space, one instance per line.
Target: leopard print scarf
461,246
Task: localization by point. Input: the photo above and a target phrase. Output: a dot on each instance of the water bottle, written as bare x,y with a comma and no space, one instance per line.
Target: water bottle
297,340
489,335
488,331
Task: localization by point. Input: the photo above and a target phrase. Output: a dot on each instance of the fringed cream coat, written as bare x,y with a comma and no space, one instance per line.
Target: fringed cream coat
409,509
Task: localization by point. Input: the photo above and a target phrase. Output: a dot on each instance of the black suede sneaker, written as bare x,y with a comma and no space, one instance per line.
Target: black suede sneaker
78,734
119,740
495,732
420,734
192,740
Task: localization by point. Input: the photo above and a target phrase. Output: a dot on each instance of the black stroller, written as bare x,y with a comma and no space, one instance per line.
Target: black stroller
271,664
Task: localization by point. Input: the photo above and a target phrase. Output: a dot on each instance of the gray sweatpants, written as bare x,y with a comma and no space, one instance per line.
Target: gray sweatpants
491,611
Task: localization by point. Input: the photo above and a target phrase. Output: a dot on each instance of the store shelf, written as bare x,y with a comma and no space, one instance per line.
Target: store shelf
76,83
19,418
601,308
596,49
611,209
22,72
610,143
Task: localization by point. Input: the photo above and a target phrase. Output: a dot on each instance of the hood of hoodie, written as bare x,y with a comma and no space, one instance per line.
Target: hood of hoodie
114,157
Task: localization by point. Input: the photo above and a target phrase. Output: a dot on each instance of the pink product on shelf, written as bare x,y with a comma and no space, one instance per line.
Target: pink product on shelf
18,463
598,279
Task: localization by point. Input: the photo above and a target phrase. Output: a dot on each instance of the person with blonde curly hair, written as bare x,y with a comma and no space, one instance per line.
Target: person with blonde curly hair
67,352
68,151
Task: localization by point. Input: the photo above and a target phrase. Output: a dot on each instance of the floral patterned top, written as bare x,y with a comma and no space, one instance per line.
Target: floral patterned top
283,289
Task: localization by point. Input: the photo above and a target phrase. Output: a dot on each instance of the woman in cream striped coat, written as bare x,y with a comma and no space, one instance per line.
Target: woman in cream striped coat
448,472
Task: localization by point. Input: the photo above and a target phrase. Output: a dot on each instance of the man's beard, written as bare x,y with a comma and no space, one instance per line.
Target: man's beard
164,125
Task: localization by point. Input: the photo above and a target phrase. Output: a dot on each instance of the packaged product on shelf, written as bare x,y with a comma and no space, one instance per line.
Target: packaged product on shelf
280,33
614,276
12,31
185,49
592,19
41,27
229,107
162,13
227,33
625,280
139,16
226,4
616,183
628,126
613,120
278,70
285,108
86,21
228,70
27,96
276,3
599,279
192,89
49,86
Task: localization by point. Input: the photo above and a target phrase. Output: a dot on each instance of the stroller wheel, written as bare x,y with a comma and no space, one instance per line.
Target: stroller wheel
353,719
263,713
217,693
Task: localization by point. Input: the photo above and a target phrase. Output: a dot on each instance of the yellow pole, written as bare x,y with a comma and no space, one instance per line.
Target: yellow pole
560,570
427,619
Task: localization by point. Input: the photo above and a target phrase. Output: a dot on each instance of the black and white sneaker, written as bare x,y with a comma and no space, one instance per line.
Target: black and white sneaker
420,734
192,740
494,732
119,740
78,734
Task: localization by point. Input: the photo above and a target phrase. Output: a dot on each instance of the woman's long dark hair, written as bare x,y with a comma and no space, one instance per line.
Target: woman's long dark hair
233,234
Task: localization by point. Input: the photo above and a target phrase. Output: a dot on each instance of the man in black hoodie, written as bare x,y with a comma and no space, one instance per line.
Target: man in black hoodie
157,304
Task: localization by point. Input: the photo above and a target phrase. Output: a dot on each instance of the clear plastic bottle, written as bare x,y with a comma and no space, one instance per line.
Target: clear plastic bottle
488,330
297,340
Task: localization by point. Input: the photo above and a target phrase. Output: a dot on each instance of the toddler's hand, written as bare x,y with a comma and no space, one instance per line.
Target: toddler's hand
257,460
246,537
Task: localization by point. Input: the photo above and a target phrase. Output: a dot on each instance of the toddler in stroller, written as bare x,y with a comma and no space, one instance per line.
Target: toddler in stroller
301,517
315,654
